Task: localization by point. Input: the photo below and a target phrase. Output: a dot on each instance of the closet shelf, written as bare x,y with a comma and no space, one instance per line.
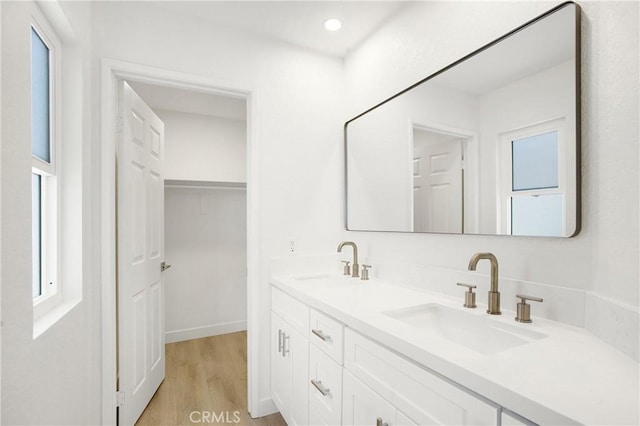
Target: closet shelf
202,184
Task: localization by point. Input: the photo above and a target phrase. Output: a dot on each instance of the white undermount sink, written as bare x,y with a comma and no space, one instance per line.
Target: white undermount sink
480,333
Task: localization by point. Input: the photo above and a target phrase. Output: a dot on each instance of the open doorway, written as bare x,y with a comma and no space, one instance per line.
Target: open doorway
113,72
205,210
205,239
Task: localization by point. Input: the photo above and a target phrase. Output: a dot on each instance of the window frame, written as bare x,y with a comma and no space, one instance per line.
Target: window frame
505,171
49,172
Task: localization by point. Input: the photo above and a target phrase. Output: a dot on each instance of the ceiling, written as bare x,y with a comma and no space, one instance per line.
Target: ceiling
298,22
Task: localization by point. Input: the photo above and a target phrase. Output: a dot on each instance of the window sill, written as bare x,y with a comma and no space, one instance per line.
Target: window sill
42,324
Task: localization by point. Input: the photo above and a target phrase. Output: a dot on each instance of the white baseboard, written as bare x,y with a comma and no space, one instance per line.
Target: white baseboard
265,407
205,331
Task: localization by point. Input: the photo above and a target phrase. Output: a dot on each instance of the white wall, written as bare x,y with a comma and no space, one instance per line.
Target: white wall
205,242
299,124
602,261
535,99
205,148
53,379
381,152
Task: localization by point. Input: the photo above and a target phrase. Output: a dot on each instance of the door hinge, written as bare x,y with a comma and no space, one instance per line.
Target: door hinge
119,124
119,398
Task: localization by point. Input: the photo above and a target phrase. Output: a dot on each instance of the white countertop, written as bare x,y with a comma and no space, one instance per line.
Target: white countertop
567,377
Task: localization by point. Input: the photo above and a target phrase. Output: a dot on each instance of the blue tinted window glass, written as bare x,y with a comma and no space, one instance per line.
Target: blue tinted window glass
535,162
36,234
40,102
539,215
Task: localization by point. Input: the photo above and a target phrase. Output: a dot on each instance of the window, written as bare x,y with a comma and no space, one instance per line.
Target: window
44,178
57,120
533,193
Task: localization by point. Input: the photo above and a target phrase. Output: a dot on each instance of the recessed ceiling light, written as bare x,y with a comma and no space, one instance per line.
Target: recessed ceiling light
332,24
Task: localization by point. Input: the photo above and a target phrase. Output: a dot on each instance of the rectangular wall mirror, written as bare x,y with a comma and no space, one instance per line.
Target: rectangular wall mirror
488,145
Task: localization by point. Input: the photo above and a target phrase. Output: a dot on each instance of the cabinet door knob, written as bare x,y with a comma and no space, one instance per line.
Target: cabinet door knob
318,385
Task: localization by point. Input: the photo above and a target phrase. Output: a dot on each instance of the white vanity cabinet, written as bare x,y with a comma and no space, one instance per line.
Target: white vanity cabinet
418,393
289,357
324,373
326,337
362,406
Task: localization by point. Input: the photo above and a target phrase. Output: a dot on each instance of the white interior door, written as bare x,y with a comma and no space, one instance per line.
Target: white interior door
140,246
437,184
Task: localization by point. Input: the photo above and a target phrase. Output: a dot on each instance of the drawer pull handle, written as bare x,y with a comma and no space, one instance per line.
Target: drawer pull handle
280,346
318,384
380,423
321,335
285,338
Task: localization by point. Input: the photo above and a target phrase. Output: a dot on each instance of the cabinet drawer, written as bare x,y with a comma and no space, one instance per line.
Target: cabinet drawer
294,312
316,419
511,419
327,334
325,386
415,391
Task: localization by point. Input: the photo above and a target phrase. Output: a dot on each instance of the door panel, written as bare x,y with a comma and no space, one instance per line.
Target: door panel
437,183
140,250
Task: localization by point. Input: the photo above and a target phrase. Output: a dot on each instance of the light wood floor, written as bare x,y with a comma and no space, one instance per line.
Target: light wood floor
204,375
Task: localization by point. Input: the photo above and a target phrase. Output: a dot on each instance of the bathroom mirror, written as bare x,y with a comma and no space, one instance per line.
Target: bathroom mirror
488,145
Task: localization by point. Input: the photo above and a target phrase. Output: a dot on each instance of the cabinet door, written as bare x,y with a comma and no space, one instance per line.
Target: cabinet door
362,406
296,347
280,367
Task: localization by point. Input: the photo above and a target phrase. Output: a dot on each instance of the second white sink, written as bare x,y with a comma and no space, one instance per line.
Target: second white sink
479,333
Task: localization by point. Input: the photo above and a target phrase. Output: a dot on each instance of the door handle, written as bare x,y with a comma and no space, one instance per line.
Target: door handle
164,266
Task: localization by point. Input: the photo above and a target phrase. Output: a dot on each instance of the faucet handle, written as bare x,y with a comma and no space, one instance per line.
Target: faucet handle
523,311
525,298
347,268
365,272
469,295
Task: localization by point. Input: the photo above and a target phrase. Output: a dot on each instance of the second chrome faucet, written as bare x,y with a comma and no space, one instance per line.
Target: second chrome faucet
356,267
494,295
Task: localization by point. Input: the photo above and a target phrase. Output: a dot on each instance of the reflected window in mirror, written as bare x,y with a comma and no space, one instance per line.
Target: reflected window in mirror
532,178
487,145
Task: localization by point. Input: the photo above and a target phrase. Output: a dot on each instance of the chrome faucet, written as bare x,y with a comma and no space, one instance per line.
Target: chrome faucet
494,295
355,267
